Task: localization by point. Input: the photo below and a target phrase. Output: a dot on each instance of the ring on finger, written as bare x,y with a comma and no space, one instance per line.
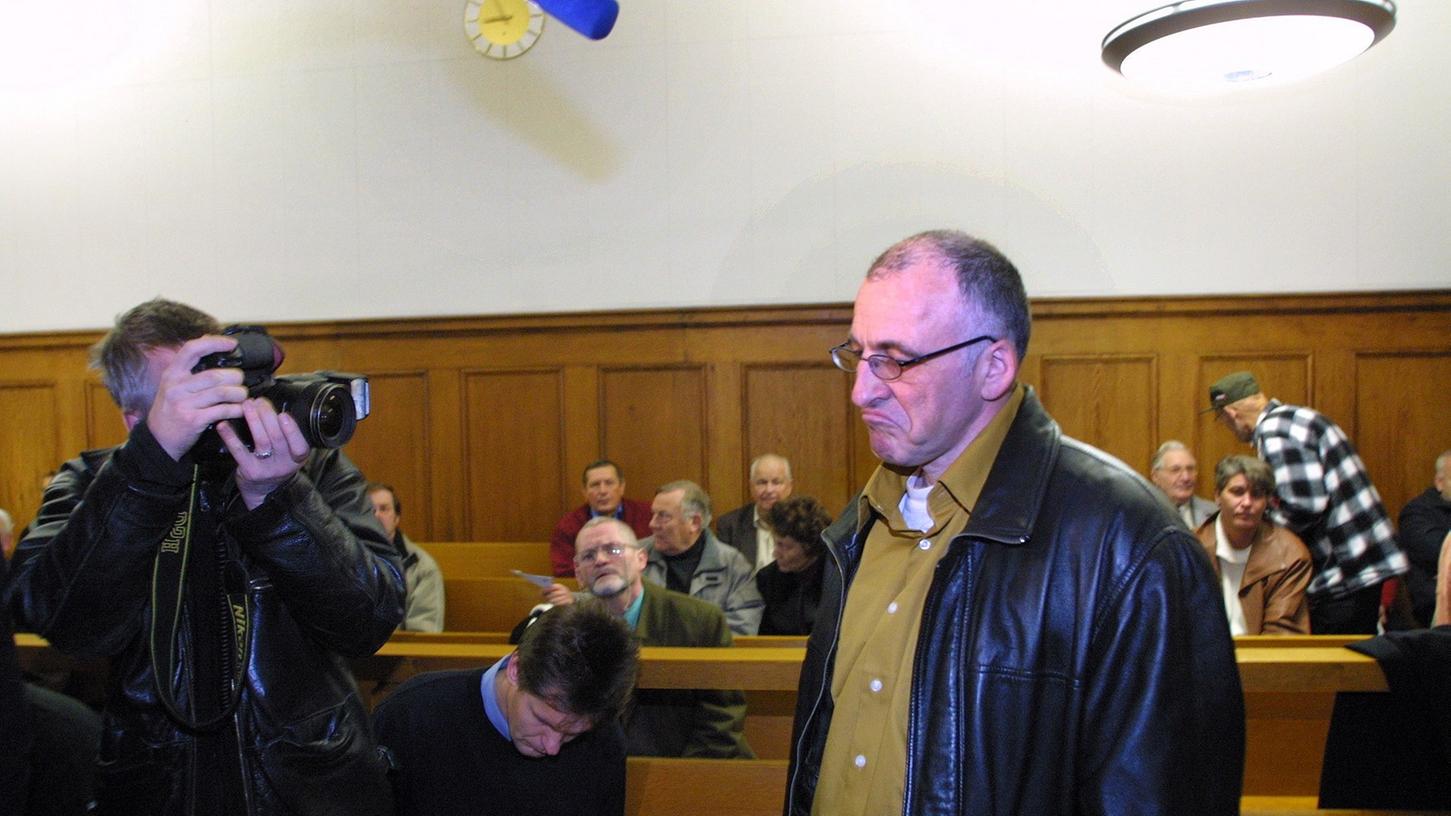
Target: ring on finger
267,454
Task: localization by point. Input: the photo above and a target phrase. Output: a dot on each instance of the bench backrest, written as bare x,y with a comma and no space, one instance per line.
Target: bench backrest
488,559
489,604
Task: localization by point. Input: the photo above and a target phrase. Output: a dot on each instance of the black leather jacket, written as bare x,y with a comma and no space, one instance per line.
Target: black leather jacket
1073,656
323,583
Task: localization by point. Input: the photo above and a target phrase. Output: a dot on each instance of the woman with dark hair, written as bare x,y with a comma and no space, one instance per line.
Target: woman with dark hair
791,585
1262,567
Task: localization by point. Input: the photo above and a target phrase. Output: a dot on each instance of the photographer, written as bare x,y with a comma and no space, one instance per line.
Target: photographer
227,584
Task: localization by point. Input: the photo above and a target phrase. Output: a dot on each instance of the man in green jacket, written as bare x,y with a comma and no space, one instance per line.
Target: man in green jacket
610,564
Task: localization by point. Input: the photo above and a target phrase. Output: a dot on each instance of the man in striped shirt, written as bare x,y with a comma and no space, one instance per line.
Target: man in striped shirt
1325,496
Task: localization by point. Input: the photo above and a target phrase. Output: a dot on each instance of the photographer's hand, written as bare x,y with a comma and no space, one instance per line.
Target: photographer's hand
278,450
187,403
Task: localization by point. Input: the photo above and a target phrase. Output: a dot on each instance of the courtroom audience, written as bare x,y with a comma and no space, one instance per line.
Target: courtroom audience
604,495
1424,523
1325,496
745,527
610,565
1263,568
1176,473
791,584
424,599
537,732
685,556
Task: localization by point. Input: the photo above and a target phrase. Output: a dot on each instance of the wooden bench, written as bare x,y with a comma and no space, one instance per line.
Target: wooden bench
1289,687
489,604
488,559
1289,694
659,786
454,636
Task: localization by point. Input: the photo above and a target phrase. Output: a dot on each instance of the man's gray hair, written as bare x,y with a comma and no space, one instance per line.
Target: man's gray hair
626,533
120,356
1443,462
693,501
988,282
1164,450
766,457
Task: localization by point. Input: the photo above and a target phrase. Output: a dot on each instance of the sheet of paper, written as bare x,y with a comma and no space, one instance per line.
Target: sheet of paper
541,581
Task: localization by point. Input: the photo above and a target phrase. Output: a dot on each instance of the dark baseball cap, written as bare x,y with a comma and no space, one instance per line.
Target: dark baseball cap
1231,388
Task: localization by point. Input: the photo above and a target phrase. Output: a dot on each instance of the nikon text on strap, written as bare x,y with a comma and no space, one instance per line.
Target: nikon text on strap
168,594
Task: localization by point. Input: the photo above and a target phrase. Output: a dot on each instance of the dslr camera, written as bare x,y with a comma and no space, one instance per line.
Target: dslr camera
326,404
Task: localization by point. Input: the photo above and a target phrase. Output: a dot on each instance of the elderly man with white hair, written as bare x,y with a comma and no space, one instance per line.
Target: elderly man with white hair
745,527
1175,472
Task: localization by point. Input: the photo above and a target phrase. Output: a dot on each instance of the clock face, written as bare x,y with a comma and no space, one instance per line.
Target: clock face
503,29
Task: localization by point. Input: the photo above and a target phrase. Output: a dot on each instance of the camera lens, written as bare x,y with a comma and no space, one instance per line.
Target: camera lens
330,410
324,409
330,415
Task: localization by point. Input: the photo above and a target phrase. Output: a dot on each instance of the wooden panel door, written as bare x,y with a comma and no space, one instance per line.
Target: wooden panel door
653,422
515,453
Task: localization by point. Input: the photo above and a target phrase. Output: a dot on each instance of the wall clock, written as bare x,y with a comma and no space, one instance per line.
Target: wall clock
503,29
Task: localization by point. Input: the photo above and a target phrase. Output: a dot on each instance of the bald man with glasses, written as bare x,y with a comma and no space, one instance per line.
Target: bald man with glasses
1010,621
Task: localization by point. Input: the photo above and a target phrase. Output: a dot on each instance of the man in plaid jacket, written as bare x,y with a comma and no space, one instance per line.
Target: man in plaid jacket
1325,496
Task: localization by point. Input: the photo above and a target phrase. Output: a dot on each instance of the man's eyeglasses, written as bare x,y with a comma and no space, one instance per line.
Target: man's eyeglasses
887,368
608,551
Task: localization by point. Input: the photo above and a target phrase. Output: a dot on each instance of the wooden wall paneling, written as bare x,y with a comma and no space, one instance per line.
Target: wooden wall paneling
653,422
1030,371
1178,408
728,460
104,425
795,410
448,463
1404,419
1286,376
1361,341
29,446
583,441
1333,386
732,351
1106,400
391,446
514,441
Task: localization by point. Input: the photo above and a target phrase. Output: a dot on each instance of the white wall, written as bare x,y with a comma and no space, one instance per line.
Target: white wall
280,160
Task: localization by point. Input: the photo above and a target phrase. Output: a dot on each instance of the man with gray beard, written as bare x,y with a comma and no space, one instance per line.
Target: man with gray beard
610,565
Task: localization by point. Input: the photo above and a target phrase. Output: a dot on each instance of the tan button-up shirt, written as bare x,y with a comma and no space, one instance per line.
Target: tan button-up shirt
863,769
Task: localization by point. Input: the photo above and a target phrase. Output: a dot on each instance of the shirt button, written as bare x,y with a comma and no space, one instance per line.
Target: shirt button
876,685
861,760
892,608
924,544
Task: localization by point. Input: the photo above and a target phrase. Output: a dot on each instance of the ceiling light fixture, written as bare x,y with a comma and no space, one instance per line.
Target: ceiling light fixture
1205,45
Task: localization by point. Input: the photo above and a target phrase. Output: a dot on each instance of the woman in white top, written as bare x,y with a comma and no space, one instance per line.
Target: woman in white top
1263,568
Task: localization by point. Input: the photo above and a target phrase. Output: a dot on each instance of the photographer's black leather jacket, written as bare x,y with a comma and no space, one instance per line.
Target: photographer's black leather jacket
324,585
1073,656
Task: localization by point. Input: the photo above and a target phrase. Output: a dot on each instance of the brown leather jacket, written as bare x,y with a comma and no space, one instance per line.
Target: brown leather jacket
1272,591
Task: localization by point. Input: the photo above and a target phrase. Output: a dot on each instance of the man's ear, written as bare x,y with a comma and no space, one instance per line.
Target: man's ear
511,670
999,370
132,418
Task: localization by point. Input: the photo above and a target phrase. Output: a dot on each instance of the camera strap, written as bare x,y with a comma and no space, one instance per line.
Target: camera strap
168,595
